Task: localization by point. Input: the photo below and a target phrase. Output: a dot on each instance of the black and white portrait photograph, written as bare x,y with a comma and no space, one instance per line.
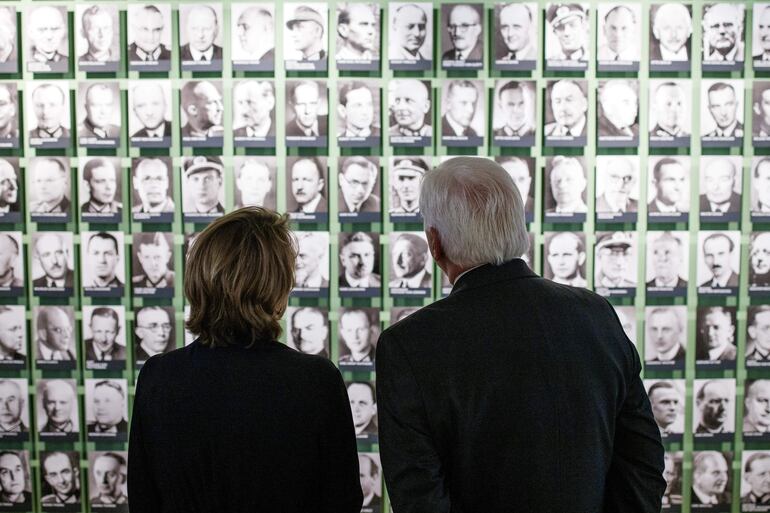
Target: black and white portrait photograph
760,107
564,258
255,181
618,113
154,332
307,330
13,342
311,269
755,484
14,416
718,262
49,189
462,36
9,50
52,264
97,37
566,109
252,36
201,35
358,36
723,36
665,338
306,195
57,410
48,114
15,480
203,188
410,270
714,412
371,481
99,123
398,313
721,113
359,269
405,180
670,37
711,481
104,337
522,172
149,113
565,189
152,190
11,264
108,481
619,37
152,264
756,415
667,263
149,37
567,33
359,197
363,399
254,113
463,109
305,36
716,339
758,339
201,110
670,111
359,329
760,189
627,317
46,36
668,199
11,181
667,399
60,480
9,110
515,38
761,36
617,188
101,189
358,114
410,112
514,113
410,40
102,263
759,264
615,265
106,409
307,113
671,501
720,188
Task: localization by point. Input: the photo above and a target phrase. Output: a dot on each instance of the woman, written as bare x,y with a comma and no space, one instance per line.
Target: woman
236,421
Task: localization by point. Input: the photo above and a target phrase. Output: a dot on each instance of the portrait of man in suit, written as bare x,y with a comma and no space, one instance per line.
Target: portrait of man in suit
758,345
565,256
460,109
666,261
760,184
718,249
154,252
710,476
358,32
761,108
148,24
718,184
409,256
305,31
515,23
51,251
668,187
516,108
101,178
203,107
567,184
358,102
618,176
14,478
569,23
203,186
305,104
254,103
149,101
50,113
61,476
255,35
762,31
307,185
713,406
668,106
358,336
716,333
722,101
9,111
409,29
410,108
755,473
521,174
312,251
568,106
665,334
11,265
105,327
619,109
667,403
154,332
464,33
55,333
620,27
358,253
254,183
102,259
151,181
109,476
756,414
102,106
58,405
671,32
9,187
107,406
358,178
759,259
47,35
13,343
370,479
201,27
363,402
99,33
8,51
723,33
308,329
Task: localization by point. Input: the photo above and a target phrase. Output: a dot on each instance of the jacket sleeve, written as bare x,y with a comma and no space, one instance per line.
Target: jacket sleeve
412,466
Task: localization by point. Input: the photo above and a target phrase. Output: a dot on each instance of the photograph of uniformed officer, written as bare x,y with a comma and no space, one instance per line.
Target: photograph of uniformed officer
150,115
755,480
405,181
371,481
515,35
60,485
617,187
311,270
308,330
566,112
15,475
720,183
410,113
359,329
9,53
565,258
305,37
719,259
359,180
411,36
669,188
756,412
149,36
48,115
104,333
565,187
761,46
57,406
203,187
722,111
108,479
152,187
462,40
10,182
98,30
101,188
358,113
152,262
714,406
13,340
619,37
49,187
11,261
252,40
200,37
47,37
665,335
615,260
409,261
513,118
254,113
153,332
462,113
358,36
566,36
202,108
670,37
670,107
521,170
715,339
667,267
760,188
758,330
255,182
306,112
102,264
52,261
106,408
9,112
306,195
99,125
723,35
618,113
711,483
667,402
759,261
359,261
363,406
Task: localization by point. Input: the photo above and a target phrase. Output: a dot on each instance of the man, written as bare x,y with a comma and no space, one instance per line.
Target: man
47,33
357,27
9,258
709,478
148,26
621,35
369,472
763,32
357,255
254,182
668,181
98,31
101,179
55,334
717,252
307,185
109,408
719,177
568,105
153,330
669,109
9,188
759,259
464,29
405,182
356,111
203,185
62,476
758,348
100,105
51,108
109,471
717,335
761,185
711,403
9,123
363,406
13,480
665,330
723,33
462,100
667,407
306,29
60,407
517,110
203,108
567,183
614,252
566,257
8,50
671,474
154,255
761,126
619,182
149,105
12,404
619,109
52,255
13,335
409,256
256,34
50,184
305,103
357,179
309,331
515,22
723,107
356,333
756,415
421,357
105,328
151,184
666,262
311,250
409,108
756,472
569,23
103,251
255,103
518,170
202,29
409,31
671,30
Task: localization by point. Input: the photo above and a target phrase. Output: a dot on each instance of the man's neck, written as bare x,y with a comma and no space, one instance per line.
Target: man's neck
104,281
312,50
205,207
100,55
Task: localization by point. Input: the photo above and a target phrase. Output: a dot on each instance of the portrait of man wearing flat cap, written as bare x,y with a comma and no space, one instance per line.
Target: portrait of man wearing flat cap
202,188
199,34
566,43
305,38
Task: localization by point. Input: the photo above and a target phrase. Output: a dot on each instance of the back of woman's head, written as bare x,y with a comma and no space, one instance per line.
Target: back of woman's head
240,271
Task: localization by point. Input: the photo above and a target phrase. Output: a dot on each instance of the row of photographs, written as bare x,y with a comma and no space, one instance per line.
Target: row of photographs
410,113
304,33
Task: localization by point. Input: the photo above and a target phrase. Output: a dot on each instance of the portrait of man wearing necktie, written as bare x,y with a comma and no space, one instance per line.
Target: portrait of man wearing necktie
516,28
307,99
724,105
620,32
719,182
568,106
358,34
358,179
723,33
306,186
464,37
55,333
149,101
711,474
57,406
254,105
667,402
717,250
408,258
516,109
201,28
107,408
762,35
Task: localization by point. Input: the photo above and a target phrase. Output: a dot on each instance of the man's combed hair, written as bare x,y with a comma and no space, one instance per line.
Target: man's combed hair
240,271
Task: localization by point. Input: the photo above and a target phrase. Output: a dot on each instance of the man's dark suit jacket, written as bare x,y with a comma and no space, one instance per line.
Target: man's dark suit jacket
477,53
211,404
722,498
133,56
607,129
447,130
243,131
370,204
735,203
515,393
69,279
655,54
680,283
293,130
731,282
118,351
702,352
143,131
122,427
187,54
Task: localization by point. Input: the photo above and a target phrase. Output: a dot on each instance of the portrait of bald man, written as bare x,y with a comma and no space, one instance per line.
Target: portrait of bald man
11,263
149,120
566,116
149,37
722,113
567,36
9,52
761,21
55,344
716,338
723,36
57,409
252,35
305,36
514,114
49,189
255,181
462,36
48,114
619,37
10,193
617,188
98,37
756,411
358,36
311,268
618,113
720,184
47,37
200,37
100,118
202,109
307,119
565,189
410,112
358,114
515,41
714,412
670,37
667,263
670,108
9,113
13,343
411,36
254,113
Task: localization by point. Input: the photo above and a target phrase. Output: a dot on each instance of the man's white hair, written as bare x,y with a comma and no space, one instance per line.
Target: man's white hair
477,211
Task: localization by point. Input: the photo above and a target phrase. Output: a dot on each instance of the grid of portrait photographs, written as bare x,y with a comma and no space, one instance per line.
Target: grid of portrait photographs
637,133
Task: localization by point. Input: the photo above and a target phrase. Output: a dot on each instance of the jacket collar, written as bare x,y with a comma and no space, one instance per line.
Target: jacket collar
489,273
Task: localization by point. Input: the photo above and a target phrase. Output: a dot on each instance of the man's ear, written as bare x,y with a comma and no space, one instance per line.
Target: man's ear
434,244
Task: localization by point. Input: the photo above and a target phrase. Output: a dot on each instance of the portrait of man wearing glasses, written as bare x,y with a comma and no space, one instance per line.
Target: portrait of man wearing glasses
153,333
463,40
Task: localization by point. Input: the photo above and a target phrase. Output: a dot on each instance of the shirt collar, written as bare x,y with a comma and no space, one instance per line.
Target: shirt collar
668,55
312,205
415,282
729,131
714,354
466,272
148,350
364,132
259,130
720,282
49,354
357,283
704,498
198,55
670,354
662,207
456,127
310,132
671,283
